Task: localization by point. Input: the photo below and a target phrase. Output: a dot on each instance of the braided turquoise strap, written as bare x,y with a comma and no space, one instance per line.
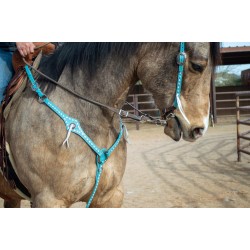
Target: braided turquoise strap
100,160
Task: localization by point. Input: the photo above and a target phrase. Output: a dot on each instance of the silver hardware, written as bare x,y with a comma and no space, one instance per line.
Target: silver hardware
181,58
42,98
170,116
160,122
34,87
143,118
123,113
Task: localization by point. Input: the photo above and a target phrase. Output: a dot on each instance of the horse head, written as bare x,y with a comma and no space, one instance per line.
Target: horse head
158,72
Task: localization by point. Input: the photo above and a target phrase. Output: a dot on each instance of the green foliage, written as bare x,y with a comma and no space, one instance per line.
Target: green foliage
225,78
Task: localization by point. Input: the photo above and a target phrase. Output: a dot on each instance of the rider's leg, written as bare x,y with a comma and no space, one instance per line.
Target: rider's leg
6,71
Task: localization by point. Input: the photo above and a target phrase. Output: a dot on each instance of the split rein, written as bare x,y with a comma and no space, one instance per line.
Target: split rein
144,118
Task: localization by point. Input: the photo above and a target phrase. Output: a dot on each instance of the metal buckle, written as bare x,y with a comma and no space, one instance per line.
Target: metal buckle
42,98
170,116
123,113
181,58
34,87
160,122
143,118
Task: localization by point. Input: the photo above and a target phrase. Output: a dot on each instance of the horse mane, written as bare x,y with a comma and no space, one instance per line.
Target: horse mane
215,56
215,53
89,55
86,55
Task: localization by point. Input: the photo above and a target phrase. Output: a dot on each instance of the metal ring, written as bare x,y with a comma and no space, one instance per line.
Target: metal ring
123,113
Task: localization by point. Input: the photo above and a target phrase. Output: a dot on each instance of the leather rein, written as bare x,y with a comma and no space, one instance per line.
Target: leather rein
168,113
122,113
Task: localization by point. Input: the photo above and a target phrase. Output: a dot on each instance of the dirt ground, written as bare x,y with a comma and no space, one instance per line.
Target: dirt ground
164,173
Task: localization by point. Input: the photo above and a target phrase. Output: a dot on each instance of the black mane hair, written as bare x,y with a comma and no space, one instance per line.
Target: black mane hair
88,55
215,53
84,55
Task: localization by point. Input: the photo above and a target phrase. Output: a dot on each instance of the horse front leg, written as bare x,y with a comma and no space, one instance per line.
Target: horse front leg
10,197
112,199
12,203
47,200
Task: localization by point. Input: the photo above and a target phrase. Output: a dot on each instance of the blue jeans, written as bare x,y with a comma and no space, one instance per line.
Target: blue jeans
6,71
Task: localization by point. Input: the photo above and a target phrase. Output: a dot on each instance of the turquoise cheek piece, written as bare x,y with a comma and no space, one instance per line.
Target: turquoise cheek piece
180,61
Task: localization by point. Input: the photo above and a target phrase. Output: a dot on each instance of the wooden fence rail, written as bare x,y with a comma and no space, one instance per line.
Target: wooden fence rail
225,101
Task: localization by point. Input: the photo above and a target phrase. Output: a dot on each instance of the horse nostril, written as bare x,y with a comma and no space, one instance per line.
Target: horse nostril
198,132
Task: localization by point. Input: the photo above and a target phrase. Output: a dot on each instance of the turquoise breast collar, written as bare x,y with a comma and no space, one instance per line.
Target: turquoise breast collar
73,125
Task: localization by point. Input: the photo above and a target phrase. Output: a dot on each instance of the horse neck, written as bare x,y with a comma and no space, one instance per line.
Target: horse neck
109,86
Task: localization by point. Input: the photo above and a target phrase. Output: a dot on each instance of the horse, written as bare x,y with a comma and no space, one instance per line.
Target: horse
57,175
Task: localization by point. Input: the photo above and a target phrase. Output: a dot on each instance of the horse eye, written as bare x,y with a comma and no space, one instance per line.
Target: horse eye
197,67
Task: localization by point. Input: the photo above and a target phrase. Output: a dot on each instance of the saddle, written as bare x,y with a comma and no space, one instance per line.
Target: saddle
18,64
13,92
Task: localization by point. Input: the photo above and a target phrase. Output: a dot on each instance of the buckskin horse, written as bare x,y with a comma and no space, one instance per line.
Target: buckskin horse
85,113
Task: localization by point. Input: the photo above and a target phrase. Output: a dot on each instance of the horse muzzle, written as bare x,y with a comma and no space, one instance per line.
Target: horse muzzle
176,129
173,129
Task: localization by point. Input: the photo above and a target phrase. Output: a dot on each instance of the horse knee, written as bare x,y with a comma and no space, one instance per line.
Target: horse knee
115,199
46,201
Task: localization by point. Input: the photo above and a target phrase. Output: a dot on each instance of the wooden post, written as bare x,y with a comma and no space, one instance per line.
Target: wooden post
213,100
136,112
238,126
